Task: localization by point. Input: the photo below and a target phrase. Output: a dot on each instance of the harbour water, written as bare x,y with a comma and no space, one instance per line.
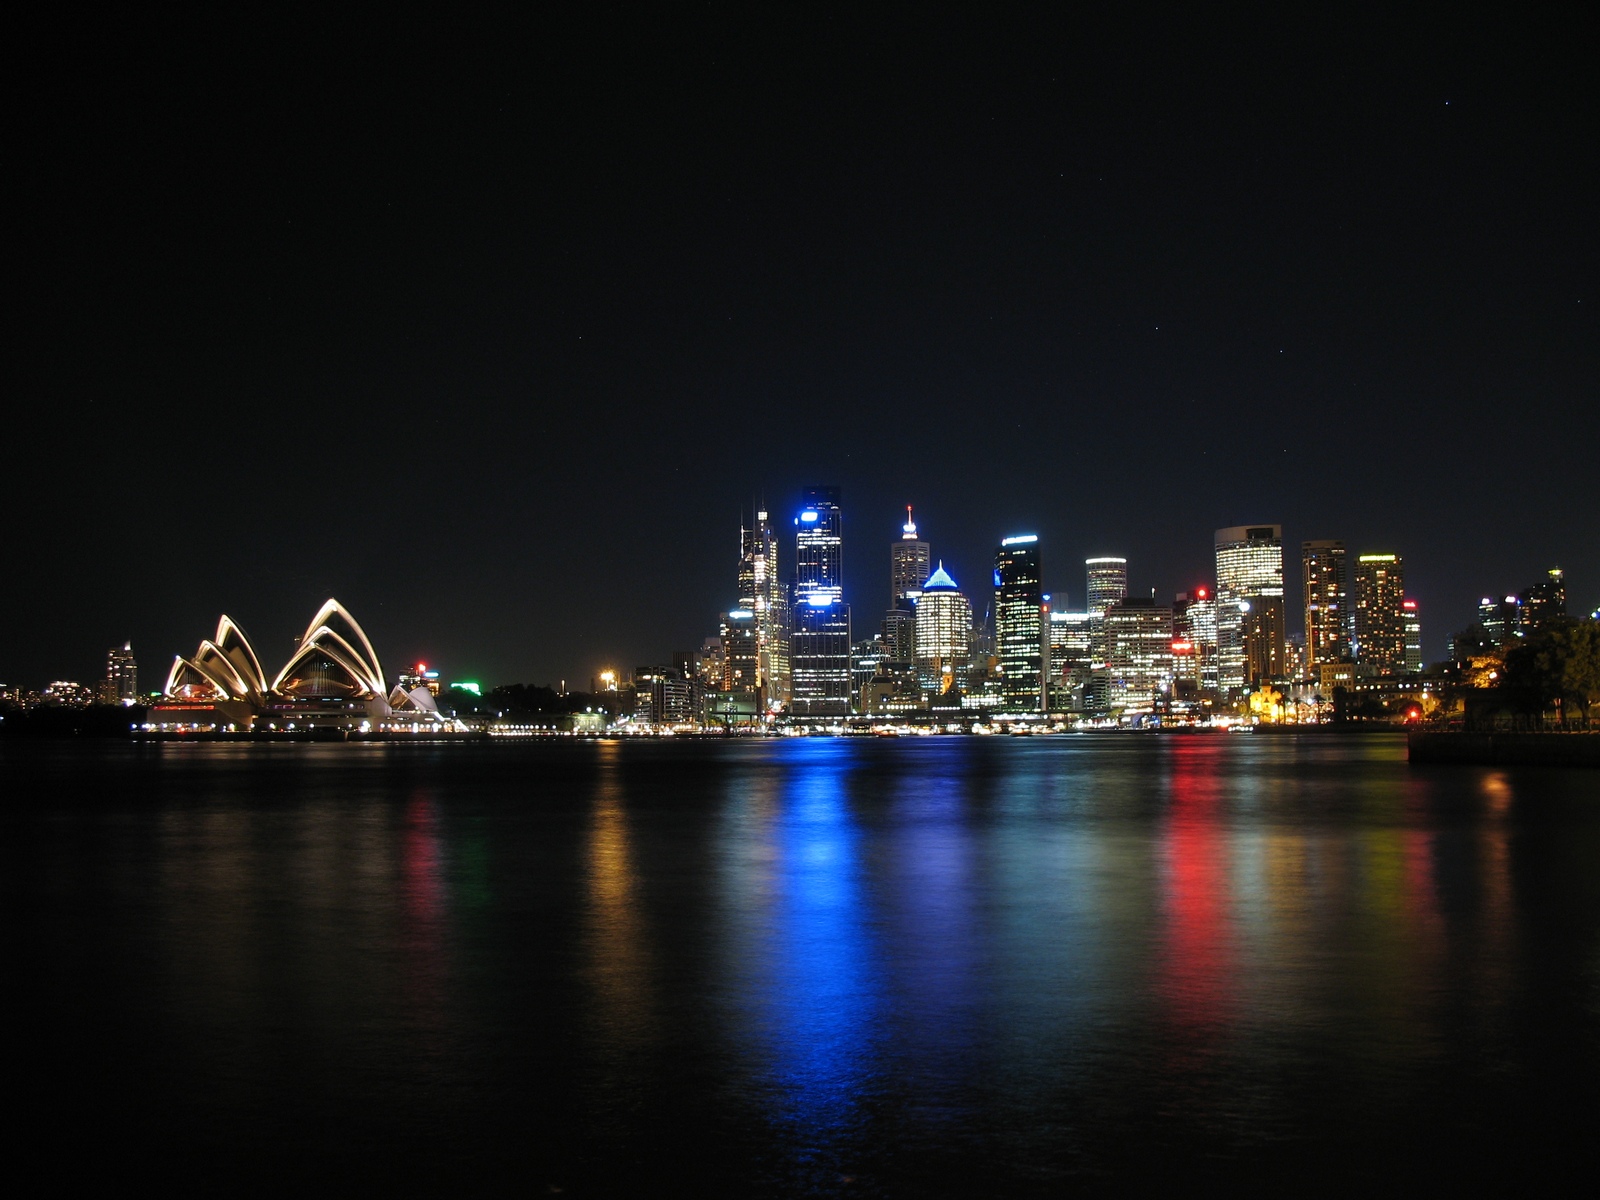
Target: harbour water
931,966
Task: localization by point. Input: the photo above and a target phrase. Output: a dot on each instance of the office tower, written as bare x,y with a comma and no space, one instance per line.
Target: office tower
1326,581
908,567
741,652
819,648
1107,583
1069,642
121,684
1019,620
819,546
909,563
1070,659
900,632
1413,625
1380,628
1501,619
1249,580
762,591
944,635
1543,602
1138,653
1194,623
1266,651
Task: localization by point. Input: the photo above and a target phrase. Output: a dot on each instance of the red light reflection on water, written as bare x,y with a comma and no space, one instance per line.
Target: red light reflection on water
424,910
1196,976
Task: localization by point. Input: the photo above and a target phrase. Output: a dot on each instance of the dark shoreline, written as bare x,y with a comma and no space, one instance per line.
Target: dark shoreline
1556,749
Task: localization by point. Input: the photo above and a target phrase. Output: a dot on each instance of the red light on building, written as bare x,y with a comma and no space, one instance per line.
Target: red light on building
1201,592
1183,647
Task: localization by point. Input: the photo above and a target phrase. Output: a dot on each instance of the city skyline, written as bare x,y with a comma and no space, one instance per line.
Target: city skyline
295,324
851,563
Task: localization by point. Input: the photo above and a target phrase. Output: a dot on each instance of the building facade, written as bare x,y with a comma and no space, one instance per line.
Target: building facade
944,635
1249,579
121,684
1019,624
1325,578
1139,654
763,593
819,648
1379,615
1194,620
1412,617
1107,583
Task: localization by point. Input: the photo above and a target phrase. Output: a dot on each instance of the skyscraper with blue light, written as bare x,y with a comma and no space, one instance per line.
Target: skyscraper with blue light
819,649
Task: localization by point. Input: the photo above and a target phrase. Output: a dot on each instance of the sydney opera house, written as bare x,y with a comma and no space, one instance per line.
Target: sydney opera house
331,681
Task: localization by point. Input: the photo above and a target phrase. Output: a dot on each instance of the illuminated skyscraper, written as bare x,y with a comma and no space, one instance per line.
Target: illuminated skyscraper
944,633
820,645
908,567
1499,618
1194,620
1380,626
1138,653
909,563
1019,624
1249,581
1107,583
1413,623
1543,602
1326,581
121,685
763,593
741,652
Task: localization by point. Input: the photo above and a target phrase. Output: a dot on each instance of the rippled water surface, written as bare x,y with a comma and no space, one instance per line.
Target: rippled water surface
943,966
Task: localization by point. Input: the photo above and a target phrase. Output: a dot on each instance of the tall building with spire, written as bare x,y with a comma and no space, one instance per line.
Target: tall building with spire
819,649
910,561
908,568
1021,641
763,593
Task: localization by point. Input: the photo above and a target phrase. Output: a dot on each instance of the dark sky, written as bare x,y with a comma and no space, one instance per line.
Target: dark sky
490,331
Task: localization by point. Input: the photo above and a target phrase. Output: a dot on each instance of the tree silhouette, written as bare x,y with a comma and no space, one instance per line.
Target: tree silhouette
1559,665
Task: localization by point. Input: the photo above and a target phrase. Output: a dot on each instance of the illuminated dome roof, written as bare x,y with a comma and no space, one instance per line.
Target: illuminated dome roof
335,660
223,668
939,581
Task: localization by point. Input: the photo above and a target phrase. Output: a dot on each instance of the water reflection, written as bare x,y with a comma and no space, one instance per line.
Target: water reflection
424,914
809,1002
619,958
1198,954
948,966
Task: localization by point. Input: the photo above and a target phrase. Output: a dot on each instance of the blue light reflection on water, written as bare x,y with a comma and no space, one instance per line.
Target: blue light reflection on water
810,1001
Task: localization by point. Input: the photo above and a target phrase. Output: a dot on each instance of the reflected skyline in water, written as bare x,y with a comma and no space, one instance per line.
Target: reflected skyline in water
936,966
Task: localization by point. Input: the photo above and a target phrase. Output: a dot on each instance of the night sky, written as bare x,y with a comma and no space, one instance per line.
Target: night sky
491,331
